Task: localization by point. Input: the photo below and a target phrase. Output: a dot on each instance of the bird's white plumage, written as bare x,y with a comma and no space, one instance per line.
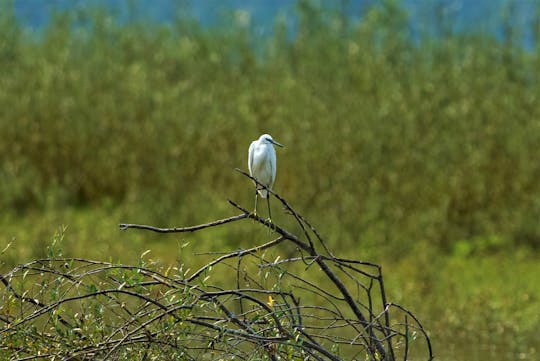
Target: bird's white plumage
262,162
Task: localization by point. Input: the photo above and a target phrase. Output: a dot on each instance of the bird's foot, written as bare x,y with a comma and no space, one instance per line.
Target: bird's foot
271,225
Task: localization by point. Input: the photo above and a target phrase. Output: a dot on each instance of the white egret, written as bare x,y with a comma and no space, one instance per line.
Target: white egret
262,166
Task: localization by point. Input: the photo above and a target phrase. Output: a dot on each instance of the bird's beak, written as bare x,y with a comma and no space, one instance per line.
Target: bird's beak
278,144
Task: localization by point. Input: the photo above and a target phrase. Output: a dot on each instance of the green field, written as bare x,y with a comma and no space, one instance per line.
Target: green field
420,154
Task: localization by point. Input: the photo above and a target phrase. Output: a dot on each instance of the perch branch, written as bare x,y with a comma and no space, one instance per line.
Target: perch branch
125,226
252,308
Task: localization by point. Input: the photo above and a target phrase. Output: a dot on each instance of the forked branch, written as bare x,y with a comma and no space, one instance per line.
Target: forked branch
243,304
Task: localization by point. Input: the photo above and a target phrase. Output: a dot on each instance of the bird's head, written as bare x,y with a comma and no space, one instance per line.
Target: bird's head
267,138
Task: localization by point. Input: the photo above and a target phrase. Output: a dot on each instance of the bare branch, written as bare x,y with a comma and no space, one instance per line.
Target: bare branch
312,305
234,254
125,226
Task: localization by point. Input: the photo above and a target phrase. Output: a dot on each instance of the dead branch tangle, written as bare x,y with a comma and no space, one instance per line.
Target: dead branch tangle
313,305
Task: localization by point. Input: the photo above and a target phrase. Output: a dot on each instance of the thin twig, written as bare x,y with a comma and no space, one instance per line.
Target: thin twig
125,226
150,312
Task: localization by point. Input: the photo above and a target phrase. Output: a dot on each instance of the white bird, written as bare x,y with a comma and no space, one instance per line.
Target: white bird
262,166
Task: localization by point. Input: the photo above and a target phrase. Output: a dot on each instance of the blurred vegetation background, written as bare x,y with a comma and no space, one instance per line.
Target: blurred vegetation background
415,151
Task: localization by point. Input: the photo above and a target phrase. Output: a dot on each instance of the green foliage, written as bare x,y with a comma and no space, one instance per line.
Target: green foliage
388,140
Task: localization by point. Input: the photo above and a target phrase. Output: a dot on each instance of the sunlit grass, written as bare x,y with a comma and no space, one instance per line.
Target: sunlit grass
476,307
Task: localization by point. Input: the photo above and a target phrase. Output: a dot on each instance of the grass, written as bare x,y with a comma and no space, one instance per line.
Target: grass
473,306
476,307
416,153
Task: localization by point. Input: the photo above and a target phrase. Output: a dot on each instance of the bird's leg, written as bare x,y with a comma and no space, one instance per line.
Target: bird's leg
256,196
268,202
